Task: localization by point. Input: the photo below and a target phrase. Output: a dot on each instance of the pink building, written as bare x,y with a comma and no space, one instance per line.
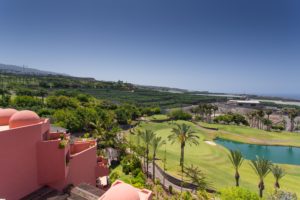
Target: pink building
123,191
32,157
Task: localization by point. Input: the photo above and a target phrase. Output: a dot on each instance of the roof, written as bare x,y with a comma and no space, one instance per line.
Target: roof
5,115
85,192
118,188
245,101
23,118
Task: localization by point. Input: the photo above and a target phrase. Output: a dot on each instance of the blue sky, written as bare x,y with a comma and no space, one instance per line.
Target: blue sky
242,46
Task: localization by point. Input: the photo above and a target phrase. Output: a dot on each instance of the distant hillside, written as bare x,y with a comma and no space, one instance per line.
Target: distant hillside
14,69
162,89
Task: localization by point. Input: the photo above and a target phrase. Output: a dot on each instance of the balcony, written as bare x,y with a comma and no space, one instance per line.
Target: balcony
81,145
58,135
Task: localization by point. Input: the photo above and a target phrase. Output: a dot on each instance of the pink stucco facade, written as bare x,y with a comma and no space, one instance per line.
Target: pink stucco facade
31,157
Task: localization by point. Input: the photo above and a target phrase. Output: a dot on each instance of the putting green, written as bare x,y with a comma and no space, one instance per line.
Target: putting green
214,162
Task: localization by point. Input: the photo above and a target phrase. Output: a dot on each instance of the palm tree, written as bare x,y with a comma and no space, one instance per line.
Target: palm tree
183,134
97,129
165,162
292,114
157,142
215,108
268,113
262,168
268,123
104,138
147,136
278,173
236,159
260,116
141,148
197,177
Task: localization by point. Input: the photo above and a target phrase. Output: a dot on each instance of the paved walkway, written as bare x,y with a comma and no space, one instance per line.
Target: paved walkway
160,176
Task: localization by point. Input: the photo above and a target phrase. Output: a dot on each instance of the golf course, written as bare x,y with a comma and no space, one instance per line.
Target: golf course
212,158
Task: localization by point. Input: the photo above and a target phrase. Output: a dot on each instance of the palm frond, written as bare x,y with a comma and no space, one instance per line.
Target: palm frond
236,158
277,172
261,166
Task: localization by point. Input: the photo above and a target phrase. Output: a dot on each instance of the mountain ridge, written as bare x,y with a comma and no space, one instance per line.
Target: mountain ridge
15,69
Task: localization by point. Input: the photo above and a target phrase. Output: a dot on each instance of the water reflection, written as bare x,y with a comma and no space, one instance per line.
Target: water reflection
277,154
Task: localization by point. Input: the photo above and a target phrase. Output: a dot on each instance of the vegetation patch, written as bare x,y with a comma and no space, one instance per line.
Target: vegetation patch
213,161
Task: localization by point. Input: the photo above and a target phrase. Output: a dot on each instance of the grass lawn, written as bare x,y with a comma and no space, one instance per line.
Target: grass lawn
213,160
157,117
255,136
123,176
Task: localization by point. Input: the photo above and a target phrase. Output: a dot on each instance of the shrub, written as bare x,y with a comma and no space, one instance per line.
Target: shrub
186,196
157,181
170,189
278,127
279,195
238,194
202,194
131,163
62,136
136,172
198,118
139,181
135,163
126,169
114,176
179,114
62,144
26,102
231,118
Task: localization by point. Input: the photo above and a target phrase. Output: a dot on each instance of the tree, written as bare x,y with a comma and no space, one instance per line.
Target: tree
183,134
5,97
179,114
278,173
157,142
67,118
107,117
215,108
61,102
26,102
42,93
147,136
268,123
165,163
86,116
268,113
231,118
140,148
292,114
123,115
260,116
196,176
97,129
262,168
236,159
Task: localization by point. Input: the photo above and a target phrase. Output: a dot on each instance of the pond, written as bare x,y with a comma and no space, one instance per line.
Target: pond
277,154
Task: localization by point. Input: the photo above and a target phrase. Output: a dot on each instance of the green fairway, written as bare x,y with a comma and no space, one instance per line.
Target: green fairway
214,162
254,136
